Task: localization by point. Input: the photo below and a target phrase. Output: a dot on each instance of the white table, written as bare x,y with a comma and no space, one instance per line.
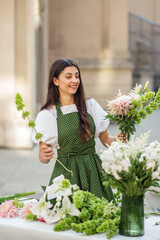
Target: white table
20,229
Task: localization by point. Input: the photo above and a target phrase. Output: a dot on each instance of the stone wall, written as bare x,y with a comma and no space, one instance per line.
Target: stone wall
36,32
96,36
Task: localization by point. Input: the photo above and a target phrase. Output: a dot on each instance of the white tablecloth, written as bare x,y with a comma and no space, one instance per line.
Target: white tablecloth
20,229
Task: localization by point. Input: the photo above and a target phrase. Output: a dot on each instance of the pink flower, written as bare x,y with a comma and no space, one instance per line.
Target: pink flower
41,219
8,210
120,105
25,210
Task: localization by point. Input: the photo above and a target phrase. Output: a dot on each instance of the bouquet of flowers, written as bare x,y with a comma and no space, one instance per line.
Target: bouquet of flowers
132,167
68,207
129,110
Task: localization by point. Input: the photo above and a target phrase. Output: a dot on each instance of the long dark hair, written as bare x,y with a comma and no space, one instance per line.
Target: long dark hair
79,97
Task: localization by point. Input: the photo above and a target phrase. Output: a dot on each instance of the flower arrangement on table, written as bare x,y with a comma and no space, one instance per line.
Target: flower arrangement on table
129,110
132,168
68,207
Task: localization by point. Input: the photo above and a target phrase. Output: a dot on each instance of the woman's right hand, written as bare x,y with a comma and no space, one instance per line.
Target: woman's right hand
45,152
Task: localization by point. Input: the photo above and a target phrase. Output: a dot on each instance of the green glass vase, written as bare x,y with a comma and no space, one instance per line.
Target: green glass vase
132,216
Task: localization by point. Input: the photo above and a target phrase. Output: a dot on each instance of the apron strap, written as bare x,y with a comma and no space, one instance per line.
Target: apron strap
58,108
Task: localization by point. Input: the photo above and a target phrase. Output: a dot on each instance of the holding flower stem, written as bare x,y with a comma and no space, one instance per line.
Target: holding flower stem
31,123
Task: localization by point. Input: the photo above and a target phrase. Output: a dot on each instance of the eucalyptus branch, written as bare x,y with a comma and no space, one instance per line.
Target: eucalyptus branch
31,123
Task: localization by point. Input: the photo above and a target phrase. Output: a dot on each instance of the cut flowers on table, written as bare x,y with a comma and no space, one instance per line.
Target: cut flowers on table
132,167
129,110
70,208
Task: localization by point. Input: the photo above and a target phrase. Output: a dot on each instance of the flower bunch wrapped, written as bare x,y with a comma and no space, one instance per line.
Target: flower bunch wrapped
129,110
132,167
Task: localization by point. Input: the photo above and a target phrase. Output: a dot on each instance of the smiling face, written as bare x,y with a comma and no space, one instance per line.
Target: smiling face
68,81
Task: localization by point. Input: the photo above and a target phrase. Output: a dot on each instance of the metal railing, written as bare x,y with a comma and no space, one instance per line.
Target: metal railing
144,45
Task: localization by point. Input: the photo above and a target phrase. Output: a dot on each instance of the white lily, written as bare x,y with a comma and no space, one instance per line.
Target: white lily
56,190
67,208
40,207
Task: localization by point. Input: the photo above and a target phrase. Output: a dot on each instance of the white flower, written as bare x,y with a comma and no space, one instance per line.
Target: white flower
75,187
138,145
155,175
115,158
48,216
67,208
126,164
56,190
39,208
151,153
115,174
150,164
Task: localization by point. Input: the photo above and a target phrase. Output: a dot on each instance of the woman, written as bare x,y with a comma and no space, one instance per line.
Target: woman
70,123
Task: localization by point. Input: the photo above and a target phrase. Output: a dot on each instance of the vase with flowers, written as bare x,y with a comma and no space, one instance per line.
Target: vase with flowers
133,168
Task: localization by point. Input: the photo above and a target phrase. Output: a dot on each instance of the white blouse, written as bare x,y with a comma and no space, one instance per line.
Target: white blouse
46,121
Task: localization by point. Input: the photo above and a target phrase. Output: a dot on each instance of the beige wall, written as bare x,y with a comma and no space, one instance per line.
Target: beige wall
149,9
36,32
90,33
75,28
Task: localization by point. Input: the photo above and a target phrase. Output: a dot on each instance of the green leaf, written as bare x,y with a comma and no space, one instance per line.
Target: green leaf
31,124
38,135
25,114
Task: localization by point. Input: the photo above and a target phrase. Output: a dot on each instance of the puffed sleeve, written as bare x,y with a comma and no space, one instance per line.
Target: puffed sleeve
98,115
46,123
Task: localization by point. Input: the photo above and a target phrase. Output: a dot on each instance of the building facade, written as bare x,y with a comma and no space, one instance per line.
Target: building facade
95,33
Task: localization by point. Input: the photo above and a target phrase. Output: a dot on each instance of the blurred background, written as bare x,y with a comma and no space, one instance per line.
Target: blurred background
116,43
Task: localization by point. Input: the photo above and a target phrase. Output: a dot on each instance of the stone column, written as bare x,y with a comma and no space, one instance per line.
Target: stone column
18,73
41,42
7,68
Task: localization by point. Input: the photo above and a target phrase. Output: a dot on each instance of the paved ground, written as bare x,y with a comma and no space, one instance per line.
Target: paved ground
21,171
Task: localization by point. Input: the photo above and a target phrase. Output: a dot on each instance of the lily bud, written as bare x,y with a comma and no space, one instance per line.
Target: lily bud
138,89
146,86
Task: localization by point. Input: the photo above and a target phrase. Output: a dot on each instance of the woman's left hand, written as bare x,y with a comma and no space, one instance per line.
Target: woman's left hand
121,137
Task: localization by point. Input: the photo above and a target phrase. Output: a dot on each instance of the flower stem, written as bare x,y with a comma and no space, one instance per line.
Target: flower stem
53,156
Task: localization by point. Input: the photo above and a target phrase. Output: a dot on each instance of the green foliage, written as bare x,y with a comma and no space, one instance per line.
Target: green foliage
17,203
135,182
147,103
157,97
19,102
25,114
85,214
109,226
31,217
94,212
38,135
65,183
65,224
31,124
16,195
